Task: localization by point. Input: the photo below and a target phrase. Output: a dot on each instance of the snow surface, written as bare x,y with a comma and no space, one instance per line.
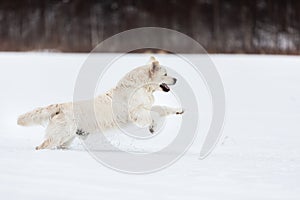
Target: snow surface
258,156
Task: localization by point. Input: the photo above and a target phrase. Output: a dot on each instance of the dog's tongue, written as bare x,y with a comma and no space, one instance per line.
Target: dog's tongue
165,87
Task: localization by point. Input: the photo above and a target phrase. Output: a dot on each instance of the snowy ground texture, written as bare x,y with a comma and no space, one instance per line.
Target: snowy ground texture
258,156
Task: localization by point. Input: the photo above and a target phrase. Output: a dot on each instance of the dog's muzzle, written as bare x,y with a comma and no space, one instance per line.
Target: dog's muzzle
165,87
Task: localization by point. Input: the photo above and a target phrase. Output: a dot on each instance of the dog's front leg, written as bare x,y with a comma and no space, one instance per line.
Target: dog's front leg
141,117
165,110
156,119
159,112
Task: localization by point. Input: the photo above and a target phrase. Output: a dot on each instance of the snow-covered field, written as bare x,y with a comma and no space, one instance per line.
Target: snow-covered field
258,156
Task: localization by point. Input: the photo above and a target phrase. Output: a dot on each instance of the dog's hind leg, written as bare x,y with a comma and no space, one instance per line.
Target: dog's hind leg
67,143
57,133
59,143
47,144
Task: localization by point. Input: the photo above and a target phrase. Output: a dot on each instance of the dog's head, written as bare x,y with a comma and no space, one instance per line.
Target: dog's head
153,77
159,76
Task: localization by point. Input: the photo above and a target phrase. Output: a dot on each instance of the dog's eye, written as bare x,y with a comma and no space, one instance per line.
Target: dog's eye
165,74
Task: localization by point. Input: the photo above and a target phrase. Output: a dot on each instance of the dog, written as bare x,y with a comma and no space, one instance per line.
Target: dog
130,101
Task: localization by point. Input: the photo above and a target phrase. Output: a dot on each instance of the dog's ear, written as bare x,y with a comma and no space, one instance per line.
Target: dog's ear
154,65
152,59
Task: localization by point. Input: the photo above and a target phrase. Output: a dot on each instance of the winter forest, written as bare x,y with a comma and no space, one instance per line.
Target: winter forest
221,26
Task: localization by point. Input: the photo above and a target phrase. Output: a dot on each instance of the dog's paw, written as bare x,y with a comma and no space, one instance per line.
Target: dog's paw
62,147
180,112
152,127
151,130
82,134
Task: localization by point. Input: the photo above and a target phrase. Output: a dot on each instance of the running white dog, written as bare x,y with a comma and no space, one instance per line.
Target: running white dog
129,102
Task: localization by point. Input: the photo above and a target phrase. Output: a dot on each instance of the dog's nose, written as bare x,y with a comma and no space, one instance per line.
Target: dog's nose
175,80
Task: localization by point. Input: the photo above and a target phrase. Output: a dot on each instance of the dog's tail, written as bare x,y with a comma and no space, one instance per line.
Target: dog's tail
39,116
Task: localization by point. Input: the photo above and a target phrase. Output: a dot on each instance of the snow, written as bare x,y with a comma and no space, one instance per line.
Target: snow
258,156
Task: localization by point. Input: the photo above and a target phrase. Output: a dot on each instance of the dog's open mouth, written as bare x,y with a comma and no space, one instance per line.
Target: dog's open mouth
164,87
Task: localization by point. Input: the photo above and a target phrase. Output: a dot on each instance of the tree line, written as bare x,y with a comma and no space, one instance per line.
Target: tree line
221,26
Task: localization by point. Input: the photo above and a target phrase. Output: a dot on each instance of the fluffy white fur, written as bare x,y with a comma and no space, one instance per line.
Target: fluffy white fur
129,102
